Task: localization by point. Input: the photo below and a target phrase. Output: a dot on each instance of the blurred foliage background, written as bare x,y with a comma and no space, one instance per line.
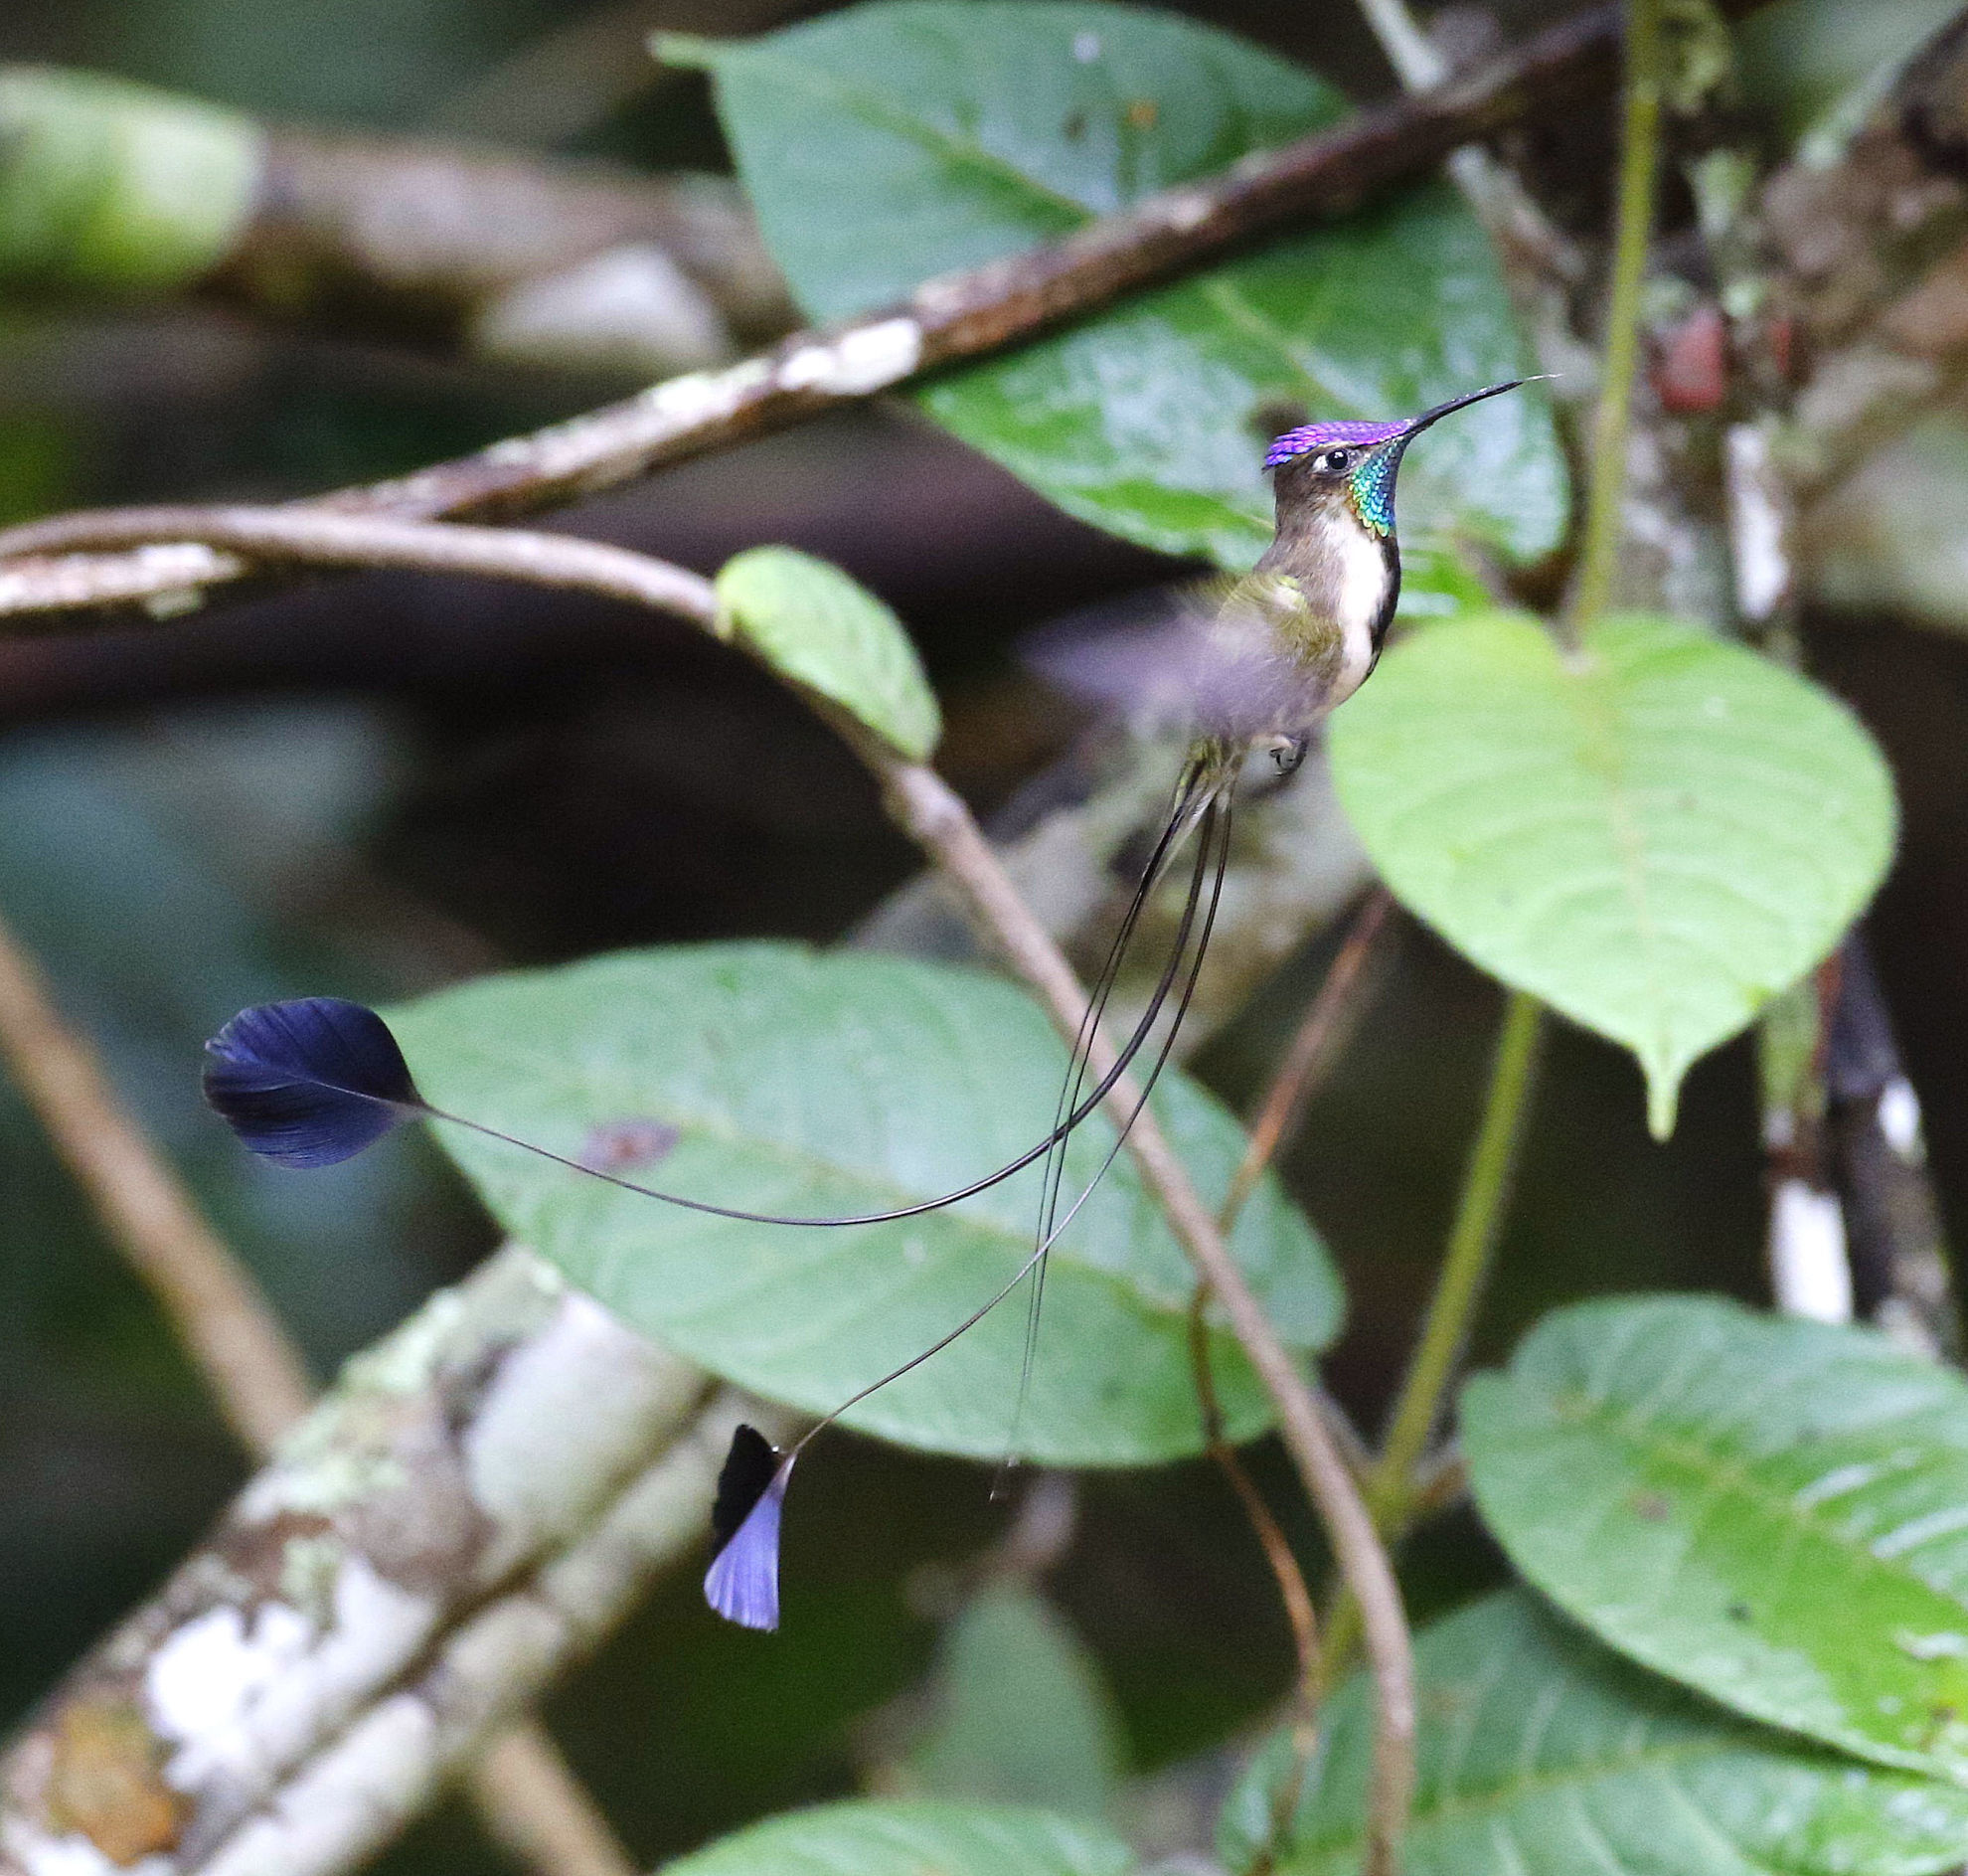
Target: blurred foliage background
374,785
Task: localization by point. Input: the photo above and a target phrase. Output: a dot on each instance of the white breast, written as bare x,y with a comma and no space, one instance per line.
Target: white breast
1363,580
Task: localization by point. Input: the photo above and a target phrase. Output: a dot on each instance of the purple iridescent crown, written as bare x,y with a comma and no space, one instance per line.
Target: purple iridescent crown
1313,437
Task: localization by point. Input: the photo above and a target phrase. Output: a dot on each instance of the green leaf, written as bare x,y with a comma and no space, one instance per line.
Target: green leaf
1021,1714
913,1839
893,142
1541,1752
1655,835
1773,1511
819,1084
816,627
112,187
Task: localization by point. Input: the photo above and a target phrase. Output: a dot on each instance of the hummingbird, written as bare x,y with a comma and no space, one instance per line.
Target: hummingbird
1291,640
313,1081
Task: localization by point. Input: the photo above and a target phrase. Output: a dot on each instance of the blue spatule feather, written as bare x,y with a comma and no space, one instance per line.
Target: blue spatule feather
742,1583
310,1082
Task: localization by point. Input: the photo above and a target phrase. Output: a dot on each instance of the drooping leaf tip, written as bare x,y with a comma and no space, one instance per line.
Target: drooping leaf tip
1663,1101
743,1581
310,1082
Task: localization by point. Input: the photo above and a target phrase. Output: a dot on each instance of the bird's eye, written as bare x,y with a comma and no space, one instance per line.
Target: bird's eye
1332,462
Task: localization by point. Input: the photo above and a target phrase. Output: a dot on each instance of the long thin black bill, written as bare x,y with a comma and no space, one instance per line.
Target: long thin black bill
1468,398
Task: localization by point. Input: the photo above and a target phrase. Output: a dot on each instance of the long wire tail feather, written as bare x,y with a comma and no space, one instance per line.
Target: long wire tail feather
1206,798
742,1583
283,1077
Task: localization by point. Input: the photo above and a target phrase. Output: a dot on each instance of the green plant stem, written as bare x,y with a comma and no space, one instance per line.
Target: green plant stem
1639,167
1479,1213
1466,1263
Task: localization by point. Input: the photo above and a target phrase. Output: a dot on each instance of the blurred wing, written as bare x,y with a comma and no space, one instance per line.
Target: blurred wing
1134,656
1230,660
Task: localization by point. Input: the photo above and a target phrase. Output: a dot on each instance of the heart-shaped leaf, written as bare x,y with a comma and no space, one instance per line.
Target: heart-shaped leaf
772,1078
888,143
913,1839
1655,834
1540,1751
819,628
1773,1511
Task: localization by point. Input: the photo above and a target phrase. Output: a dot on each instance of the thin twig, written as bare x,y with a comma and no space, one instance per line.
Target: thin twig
257,1376
927,810
1439,1480
1292,1589
535,1808
1408,50
1639,167
1304,1062
954,317
326,537
1310,1051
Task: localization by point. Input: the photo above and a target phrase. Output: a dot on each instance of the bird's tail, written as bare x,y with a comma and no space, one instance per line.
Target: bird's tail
1199,805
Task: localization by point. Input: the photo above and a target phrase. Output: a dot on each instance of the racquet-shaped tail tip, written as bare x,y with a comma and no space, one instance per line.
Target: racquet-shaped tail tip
742,1583
310,1082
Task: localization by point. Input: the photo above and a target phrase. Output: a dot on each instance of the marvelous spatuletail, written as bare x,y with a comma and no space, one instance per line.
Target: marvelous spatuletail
313,1081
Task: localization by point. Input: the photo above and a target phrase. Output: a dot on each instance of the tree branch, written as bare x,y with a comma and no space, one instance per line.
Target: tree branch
1868,259
486,1436
328,538
1875,1161
529,1798
217,1312
418,235
395,1757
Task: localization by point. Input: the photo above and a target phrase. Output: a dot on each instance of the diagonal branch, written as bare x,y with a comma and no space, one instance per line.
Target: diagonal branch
932,814
494,1433
529,1799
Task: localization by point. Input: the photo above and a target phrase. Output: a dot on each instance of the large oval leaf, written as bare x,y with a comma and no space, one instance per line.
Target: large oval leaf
1655,835
1773,1511
888,143
1541,1752
823,631
913,1839
778,1079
